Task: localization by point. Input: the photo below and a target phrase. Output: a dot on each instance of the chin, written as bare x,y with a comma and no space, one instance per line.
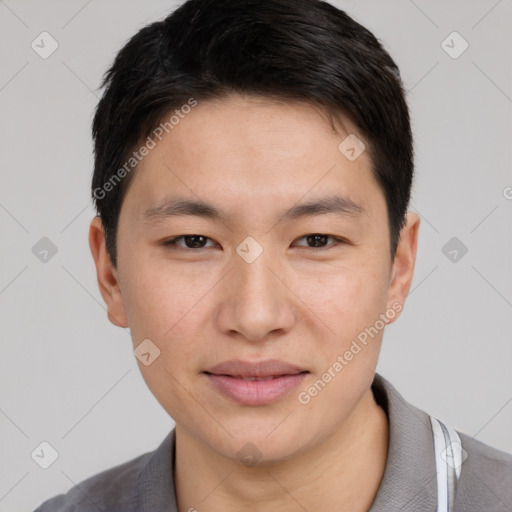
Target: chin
261,445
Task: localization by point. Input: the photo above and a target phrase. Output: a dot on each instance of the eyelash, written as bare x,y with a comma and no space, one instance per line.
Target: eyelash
337,241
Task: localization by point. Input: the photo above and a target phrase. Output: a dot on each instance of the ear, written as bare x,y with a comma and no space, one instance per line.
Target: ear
106,274
403,265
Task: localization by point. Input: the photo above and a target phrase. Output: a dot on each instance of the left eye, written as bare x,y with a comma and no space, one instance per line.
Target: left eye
319,240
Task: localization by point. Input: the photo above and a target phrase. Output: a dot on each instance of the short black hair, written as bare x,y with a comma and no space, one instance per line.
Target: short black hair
306,50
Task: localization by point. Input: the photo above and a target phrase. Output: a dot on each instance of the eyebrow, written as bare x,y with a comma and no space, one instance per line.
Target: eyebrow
179,207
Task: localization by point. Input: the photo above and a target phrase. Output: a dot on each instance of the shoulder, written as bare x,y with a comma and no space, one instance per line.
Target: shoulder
117,485
485,478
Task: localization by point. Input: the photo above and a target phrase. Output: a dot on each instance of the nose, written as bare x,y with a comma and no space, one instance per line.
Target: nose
256,303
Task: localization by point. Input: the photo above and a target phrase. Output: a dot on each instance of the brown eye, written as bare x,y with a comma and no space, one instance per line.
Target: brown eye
320,240
191,241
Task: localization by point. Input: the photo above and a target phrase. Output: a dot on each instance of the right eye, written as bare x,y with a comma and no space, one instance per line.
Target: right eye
190,241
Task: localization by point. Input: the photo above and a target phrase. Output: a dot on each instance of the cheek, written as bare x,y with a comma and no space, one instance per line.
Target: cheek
171,309
163,310
158,301
348,299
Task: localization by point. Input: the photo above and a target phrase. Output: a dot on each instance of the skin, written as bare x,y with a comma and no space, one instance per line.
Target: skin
254,158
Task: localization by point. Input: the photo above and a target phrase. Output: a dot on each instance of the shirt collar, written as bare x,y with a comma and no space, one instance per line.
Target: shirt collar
156,480
408,483
409,480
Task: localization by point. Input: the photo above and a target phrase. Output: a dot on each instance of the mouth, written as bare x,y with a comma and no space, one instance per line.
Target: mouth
257,383
258,379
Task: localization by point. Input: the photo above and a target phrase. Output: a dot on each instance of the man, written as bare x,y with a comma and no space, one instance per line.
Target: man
253,167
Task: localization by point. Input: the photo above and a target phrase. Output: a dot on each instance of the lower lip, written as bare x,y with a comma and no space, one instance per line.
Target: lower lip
255,392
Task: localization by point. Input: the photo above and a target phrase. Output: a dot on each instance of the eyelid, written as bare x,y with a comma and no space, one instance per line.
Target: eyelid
172,241
337,241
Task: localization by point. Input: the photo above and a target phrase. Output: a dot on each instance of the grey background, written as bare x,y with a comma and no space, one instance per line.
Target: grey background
69,377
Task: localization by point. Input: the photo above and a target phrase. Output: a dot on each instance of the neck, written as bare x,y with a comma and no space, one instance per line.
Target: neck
343,473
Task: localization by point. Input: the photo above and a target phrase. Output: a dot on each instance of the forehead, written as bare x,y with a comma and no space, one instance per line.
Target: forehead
252,152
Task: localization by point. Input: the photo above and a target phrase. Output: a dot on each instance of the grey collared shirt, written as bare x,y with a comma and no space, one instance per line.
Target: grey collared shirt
146,483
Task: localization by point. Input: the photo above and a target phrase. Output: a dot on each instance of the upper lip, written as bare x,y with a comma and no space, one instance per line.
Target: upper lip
267,368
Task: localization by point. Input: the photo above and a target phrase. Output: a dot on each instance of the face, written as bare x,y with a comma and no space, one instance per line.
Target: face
283,275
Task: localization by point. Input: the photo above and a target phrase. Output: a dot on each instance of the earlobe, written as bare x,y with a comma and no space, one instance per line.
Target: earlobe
405,259
106,274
